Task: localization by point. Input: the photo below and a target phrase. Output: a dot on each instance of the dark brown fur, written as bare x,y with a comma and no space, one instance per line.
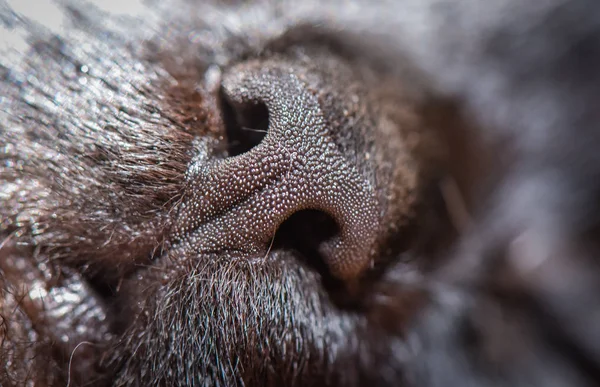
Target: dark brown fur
117,268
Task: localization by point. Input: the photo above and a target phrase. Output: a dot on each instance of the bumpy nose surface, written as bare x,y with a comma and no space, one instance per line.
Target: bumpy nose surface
239,202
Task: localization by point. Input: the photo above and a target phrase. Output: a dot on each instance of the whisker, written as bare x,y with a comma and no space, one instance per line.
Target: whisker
254,130
455,204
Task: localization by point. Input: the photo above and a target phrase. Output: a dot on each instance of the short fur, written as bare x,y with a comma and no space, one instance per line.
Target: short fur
150,236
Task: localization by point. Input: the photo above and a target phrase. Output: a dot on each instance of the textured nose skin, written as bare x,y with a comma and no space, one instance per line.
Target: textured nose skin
336,141
240,201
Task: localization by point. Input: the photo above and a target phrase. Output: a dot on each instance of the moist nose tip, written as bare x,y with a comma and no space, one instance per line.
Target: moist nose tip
257,103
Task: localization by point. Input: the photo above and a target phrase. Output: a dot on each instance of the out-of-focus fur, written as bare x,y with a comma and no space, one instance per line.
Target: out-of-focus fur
103,108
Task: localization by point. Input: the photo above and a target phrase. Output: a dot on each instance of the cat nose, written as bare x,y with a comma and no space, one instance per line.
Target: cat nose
240,201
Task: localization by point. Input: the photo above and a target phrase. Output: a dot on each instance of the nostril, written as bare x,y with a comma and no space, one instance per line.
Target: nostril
245,124
306,232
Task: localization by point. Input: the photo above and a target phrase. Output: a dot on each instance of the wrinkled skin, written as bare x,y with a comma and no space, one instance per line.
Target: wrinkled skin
291,194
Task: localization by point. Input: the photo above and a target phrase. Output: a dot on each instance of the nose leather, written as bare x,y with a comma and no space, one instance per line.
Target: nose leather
239,202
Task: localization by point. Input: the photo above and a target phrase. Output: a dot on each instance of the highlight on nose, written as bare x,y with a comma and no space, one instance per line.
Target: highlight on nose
240,201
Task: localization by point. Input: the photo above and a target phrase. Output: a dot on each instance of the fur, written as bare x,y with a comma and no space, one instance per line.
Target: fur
109,111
